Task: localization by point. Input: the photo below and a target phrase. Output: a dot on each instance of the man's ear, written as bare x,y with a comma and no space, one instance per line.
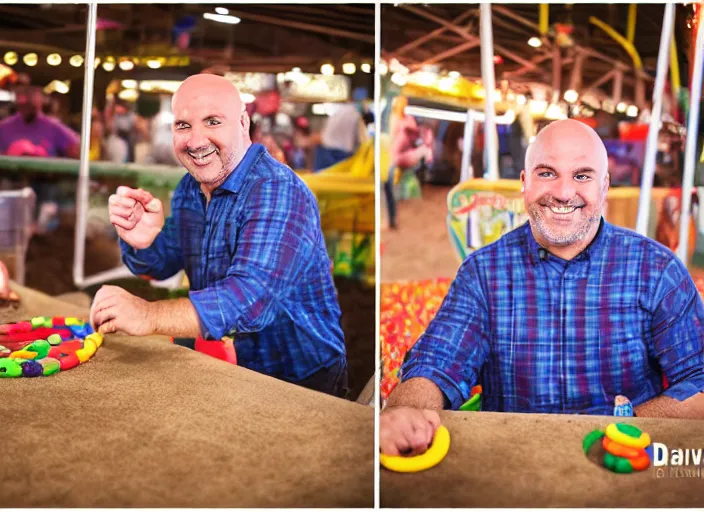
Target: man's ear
244,120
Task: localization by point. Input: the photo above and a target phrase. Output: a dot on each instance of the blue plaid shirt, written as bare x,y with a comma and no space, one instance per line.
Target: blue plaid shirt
555,336
257,265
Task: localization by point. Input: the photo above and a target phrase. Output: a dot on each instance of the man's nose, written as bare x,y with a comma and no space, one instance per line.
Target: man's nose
564,189
197,139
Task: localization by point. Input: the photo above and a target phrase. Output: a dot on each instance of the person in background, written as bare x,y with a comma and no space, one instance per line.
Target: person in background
342,134
29,132
266,140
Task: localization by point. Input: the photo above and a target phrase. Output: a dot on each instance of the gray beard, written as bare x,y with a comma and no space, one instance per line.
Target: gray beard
566,238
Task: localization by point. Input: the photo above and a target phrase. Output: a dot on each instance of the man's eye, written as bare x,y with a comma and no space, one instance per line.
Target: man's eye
181,126
546,174
582,177
212,122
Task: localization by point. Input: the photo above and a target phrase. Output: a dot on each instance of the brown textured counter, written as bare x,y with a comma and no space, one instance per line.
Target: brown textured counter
145,423
536,460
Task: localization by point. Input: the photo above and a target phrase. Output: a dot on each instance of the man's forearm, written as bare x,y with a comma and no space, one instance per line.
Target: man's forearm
667,407
419,392
177,318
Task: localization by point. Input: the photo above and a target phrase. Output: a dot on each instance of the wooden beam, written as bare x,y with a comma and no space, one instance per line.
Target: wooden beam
526,69
441,21
271,20
431,35
449,53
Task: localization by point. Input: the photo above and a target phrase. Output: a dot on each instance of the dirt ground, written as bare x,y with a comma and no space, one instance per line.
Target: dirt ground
49,268
419,248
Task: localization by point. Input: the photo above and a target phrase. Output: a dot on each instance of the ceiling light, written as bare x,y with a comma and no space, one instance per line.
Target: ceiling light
11,58
621,107
153,63
222,10
571,96
53,59
632,111
129,84
126,65
30,59
327,69
222,18
349,68
366,67
76,61
454,74
535,42
108,66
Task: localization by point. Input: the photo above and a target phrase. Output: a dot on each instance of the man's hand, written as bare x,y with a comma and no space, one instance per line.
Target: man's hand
407,430
137,215
114,310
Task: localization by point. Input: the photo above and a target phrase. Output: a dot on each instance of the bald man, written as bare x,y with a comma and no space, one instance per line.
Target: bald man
246,229
561,315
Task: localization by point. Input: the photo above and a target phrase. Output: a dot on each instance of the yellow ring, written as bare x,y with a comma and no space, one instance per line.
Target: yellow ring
613,433
434,456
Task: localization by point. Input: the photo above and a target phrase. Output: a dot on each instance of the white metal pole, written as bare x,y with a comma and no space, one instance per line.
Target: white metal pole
84,169
487,50
690,156
467,146
651,145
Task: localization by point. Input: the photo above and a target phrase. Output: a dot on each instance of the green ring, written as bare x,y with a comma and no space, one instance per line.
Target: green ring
617,464
629,430
591,438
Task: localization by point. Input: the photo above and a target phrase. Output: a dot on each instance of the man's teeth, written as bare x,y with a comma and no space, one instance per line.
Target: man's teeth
201,156
563,209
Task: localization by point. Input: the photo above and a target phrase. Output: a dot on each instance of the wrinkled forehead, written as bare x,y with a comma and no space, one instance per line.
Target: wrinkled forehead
567,151
201,105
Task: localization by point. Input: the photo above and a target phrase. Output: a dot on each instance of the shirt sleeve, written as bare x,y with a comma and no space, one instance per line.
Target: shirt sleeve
274,246
65,138
455,346
678,332
160,260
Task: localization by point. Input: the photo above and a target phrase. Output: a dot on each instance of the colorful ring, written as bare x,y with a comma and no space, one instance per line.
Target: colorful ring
617,435
620,450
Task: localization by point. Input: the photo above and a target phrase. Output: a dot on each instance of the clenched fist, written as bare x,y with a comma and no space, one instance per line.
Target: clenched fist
407,430
137,216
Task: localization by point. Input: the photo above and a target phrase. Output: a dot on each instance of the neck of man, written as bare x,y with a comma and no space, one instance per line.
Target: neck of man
566,252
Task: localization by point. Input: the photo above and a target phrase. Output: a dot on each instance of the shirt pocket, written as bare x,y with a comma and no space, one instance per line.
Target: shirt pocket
623,351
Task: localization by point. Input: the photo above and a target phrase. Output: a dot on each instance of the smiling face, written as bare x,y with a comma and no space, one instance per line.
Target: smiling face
565,184
211,129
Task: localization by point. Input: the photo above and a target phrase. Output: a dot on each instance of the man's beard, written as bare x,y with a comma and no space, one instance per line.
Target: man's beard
561,238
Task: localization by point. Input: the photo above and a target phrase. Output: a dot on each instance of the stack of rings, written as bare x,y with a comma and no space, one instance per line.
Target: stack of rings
626,447
45,345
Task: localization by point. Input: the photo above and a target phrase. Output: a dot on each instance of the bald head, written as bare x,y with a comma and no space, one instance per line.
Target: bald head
571,139
208,85
211,128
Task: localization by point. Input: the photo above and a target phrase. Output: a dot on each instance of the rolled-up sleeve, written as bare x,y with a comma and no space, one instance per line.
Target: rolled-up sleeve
160,260
678,332
274,244
455,346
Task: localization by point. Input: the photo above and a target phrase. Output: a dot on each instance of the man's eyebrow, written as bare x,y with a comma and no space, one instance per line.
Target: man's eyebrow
584,170
543,167
177,121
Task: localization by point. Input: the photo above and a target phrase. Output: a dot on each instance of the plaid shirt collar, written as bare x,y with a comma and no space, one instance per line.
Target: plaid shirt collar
595,248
